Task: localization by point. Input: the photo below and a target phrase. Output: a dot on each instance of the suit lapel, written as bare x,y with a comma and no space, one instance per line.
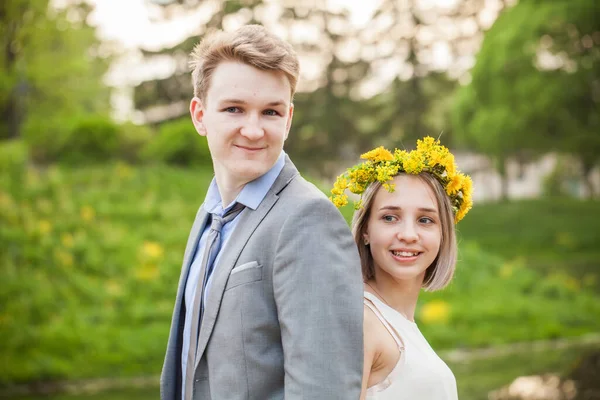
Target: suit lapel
249,221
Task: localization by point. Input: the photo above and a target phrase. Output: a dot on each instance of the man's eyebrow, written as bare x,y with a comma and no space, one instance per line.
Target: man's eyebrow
243,102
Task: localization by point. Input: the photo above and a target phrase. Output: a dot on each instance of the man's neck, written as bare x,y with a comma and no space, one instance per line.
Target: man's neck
228,190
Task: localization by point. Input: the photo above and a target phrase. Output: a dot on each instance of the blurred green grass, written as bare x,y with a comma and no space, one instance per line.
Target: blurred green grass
92,255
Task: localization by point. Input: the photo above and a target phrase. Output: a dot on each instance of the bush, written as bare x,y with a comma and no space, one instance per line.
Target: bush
132,140
178,143
45,138
91,139
13,156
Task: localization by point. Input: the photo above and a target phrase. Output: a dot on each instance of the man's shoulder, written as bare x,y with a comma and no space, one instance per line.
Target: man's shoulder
301,190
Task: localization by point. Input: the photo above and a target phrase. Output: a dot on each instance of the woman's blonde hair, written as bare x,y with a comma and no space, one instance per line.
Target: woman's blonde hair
440,272
252,45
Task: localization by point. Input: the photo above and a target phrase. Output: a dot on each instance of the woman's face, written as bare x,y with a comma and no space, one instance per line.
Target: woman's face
403,230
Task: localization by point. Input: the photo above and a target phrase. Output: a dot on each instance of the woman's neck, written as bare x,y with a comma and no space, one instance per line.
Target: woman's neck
401,295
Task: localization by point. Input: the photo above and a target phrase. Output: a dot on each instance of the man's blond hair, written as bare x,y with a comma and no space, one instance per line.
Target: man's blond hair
252,45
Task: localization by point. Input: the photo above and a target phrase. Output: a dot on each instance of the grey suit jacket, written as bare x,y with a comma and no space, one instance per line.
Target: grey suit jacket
283,317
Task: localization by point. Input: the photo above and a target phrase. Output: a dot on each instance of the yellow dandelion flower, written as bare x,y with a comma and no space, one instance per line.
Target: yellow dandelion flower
113,288
464,209
123,170
378,154
152,250
435,311
456,182
64,258
44,226
87,213
67,240
147,272
506,270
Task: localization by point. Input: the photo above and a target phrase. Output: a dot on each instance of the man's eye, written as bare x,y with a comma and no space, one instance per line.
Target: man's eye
272,113
232,109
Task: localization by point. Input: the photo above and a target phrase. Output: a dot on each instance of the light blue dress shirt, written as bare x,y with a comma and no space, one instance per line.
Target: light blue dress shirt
251,196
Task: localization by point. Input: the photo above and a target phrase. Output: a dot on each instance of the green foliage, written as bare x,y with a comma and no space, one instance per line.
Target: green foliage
50,66
13,157
517,104
91,139
89,267
551,235
92,255
132,140
85,139
493,300
178,143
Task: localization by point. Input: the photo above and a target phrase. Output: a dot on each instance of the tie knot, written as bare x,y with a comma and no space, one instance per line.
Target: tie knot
218,222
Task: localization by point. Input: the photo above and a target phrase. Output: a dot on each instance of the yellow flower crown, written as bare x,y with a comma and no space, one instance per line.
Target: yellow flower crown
381,166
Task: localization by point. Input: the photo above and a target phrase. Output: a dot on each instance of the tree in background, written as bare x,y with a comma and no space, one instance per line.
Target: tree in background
336,118
536,85
51,68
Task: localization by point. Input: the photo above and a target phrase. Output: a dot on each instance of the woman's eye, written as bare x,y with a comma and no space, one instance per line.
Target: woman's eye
389,218
426,220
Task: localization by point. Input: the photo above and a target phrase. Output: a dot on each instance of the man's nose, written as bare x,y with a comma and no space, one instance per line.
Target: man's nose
252,128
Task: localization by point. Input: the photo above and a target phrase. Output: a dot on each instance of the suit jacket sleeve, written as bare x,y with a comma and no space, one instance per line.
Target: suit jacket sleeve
318,291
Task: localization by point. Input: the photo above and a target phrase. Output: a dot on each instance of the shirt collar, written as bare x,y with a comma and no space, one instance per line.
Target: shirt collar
252,193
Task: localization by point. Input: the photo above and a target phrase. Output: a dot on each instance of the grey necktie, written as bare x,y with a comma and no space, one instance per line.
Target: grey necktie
213,244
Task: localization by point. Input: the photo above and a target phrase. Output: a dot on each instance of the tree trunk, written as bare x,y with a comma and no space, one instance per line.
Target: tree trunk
588,184
503,172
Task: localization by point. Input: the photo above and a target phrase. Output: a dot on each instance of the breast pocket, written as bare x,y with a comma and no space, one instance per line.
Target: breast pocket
244,274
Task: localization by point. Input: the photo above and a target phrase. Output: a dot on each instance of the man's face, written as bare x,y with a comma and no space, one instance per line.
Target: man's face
246,117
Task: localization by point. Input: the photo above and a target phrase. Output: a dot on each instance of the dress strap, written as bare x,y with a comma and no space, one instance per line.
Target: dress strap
369,302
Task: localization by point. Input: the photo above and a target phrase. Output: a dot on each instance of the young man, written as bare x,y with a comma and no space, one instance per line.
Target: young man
269,304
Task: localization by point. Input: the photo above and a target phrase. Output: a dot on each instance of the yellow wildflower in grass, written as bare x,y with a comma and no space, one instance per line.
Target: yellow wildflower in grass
435,311
44,226
506,270
87,213
123,170
571,283
44,205
152,250
113,288
147,272
64,258
378,154
67,240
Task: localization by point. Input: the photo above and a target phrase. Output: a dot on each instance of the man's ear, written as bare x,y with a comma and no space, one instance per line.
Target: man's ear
289,121
197,113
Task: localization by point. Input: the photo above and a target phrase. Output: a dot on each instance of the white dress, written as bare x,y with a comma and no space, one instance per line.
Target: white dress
420,373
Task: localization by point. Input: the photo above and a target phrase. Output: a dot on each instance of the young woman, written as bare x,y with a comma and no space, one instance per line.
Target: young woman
404,230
